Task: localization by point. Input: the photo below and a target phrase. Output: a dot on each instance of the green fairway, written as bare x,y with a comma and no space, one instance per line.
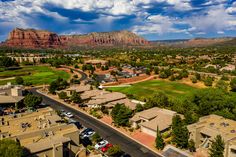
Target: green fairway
148,88
37,75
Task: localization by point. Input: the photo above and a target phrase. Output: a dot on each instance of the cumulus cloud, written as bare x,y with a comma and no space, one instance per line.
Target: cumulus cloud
147,16
216,19
157,24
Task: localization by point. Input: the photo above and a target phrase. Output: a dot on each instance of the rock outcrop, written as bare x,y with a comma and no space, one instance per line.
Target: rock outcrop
31,38
118,38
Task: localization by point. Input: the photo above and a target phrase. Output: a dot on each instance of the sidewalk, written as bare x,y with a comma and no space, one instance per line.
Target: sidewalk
147,144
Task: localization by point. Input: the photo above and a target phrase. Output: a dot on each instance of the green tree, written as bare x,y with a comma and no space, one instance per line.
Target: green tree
10,148
191,146
139,108
233,84
217,147
156,70
208,81
31,101
194,79
148,71
75,97
179,132
121,114
113,151
158,100
62,95
160,144
96,137
19,80
222,85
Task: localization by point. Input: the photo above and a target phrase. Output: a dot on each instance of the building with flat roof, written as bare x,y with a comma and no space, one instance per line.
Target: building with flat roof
42,133
96,61
207,128
11,95
148,120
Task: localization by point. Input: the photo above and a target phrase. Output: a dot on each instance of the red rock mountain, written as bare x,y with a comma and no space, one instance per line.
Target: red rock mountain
31,38
117,38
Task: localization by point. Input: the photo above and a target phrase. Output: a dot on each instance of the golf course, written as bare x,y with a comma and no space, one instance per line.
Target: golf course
148,88
35,75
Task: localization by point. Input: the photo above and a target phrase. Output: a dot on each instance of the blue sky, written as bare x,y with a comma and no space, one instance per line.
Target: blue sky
152,19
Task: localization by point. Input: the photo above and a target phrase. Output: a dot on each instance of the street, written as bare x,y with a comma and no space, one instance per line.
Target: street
128,145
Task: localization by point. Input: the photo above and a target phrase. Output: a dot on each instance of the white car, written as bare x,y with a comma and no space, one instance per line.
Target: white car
88,134
101,144
69,114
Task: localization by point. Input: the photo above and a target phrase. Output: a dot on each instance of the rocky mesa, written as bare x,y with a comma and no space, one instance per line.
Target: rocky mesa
31,38
117,38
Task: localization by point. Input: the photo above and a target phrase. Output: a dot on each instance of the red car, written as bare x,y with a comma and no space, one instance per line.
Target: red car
104,149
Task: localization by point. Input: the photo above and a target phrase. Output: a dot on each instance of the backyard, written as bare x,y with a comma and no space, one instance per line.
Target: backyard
148,88
37,75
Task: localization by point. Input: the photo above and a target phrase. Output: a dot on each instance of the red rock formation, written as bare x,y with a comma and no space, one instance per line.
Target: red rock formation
30,38
118,38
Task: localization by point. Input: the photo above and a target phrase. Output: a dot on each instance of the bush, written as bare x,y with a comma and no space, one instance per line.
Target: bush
19,80
115,150
208,81
172,78
194,79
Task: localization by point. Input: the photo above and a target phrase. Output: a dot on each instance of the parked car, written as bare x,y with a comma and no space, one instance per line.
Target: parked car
69,114
101,144
88,134
104,149
77,124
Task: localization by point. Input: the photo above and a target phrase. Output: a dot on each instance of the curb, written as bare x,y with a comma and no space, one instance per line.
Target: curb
103,123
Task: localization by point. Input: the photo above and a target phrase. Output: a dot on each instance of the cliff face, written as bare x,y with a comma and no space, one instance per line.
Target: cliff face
30,38
118,38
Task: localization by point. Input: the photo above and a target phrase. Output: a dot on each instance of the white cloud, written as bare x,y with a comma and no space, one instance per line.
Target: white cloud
214,20
232,9
157,24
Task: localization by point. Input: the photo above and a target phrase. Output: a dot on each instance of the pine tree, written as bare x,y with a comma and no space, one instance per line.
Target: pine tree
159,140
180,132
217,147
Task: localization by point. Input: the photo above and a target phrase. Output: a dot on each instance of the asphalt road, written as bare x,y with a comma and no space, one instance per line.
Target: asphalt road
128,145
83,77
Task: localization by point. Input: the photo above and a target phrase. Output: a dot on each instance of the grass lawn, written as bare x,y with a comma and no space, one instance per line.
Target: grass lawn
145,89
37,75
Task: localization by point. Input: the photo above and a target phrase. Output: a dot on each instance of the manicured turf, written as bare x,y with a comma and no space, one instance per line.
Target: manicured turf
37,75
148,88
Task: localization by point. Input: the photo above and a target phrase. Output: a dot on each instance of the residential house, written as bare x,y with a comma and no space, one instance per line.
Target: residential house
149,120
207,128
105,98
11,95
42,134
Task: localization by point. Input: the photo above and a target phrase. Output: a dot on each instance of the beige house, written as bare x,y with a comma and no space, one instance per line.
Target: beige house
96,61
42,134
10,94
149,120
76,88
127,102
208,127
105,98
92,93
